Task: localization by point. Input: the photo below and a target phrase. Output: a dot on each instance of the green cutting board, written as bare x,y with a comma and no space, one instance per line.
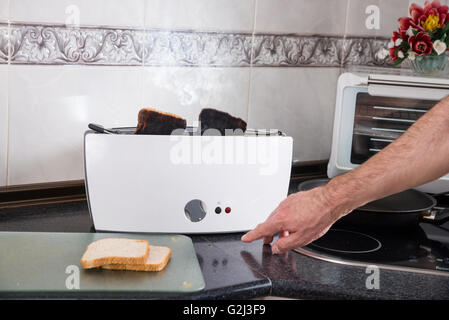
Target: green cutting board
50,262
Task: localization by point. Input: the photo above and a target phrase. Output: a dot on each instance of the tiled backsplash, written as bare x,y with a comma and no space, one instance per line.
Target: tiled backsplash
59,44
275,63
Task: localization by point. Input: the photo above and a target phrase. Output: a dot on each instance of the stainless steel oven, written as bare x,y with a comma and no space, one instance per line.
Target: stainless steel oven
374,110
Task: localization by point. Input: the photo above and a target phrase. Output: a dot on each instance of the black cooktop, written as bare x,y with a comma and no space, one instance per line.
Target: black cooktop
416,249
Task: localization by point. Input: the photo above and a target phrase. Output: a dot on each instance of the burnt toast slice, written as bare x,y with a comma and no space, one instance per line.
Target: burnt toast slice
219,120
151,121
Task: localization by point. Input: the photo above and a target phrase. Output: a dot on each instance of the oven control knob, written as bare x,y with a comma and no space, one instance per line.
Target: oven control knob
195,210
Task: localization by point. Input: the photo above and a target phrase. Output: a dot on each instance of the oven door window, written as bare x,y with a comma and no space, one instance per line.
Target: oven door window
378,121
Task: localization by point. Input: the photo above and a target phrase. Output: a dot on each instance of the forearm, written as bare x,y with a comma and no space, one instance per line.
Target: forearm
419,156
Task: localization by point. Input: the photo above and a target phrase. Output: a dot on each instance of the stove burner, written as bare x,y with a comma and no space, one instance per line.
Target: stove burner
345,241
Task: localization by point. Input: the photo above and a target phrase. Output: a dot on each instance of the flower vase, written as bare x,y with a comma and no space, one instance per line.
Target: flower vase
435,66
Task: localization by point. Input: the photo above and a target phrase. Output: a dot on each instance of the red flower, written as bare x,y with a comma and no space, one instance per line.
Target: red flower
405,23
419,16
399,35
393,55
421,43
396,35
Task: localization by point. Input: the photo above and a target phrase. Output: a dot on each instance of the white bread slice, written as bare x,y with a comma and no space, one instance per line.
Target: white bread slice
115,250
157,260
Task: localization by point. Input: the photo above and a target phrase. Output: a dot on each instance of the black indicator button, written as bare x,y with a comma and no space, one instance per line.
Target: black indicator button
217,210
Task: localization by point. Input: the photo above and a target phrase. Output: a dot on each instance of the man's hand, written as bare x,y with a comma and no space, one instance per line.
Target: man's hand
417,157
301,218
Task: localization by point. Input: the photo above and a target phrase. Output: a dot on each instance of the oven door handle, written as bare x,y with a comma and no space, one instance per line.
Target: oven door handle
408,87
410,91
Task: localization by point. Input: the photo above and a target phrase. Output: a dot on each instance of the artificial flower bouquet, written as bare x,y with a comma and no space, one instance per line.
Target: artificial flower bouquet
424,34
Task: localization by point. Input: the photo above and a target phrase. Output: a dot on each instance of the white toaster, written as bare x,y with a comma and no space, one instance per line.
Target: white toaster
185,183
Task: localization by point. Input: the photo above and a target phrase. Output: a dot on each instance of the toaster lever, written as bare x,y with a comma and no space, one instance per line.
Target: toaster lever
100,129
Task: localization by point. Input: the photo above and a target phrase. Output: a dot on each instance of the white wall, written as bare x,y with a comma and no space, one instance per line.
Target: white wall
45,107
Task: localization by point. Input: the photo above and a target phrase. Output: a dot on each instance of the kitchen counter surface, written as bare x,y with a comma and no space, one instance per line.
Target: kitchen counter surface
236,270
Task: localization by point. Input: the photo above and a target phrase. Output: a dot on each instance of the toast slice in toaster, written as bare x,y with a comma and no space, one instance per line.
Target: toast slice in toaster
115,250
157,260
150,121
219,120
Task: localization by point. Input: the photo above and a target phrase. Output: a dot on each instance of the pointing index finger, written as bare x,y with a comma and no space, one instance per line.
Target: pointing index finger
265,229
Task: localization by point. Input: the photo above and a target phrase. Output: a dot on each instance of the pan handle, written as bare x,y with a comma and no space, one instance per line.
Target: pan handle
438,216
440,193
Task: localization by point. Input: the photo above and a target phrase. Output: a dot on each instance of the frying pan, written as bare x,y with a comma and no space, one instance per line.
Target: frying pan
402,210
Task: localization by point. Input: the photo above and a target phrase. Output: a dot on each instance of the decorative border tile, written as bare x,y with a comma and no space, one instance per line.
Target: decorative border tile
59,44
37,44
366,52
297,50
188,48
4,43
318,51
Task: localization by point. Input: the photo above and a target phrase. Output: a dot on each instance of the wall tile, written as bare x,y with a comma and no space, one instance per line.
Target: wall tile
299,102
3,123
301,16
216,15
50,108
55,103
185,91
4,10
389,13
129,13
422,2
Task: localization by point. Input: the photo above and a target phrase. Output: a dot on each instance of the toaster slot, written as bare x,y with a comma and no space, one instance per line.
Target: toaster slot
191,131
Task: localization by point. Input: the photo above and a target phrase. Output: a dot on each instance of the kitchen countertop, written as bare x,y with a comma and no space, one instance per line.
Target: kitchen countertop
236,270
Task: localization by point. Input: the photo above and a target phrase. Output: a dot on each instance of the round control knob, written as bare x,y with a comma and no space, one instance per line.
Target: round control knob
195,210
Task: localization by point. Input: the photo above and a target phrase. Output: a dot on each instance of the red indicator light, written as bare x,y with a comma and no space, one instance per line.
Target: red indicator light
227,210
